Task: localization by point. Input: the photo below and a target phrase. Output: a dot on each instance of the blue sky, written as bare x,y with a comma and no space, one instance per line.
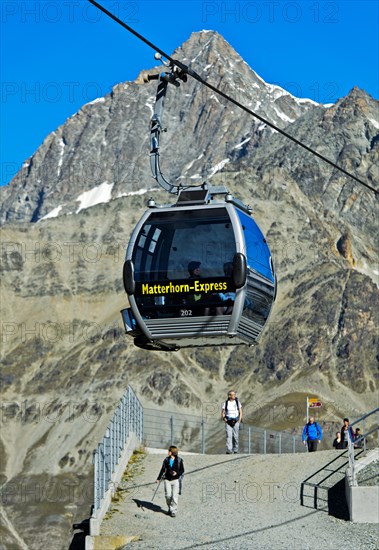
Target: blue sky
58,55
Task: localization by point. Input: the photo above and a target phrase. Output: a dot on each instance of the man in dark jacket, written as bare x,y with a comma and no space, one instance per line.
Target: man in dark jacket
172,470
312,435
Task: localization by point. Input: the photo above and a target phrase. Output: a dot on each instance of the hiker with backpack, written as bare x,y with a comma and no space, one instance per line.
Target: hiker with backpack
172,472
312,434
231,414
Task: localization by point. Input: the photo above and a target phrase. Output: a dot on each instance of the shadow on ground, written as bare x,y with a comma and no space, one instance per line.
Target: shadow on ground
149,506
324,490
337,504
81,530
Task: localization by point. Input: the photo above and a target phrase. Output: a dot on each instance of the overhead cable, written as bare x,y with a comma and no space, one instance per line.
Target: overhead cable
197,77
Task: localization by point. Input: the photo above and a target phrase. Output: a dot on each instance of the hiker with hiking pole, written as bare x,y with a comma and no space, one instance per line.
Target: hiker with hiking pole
172,473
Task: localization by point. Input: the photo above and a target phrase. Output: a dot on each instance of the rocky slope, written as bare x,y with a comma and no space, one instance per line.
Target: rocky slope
65,359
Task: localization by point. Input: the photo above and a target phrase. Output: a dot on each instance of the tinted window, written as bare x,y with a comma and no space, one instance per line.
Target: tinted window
162,256
170,240
257,251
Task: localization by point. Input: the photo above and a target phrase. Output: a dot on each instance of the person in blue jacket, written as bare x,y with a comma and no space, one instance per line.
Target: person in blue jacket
312,435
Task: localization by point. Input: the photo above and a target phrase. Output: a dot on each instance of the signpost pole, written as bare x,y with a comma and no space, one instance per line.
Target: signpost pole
307,411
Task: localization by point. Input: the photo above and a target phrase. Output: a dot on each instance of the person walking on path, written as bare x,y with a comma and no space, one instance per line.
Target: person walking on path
231,414
337,443
346,432
312,434
358,439
172,470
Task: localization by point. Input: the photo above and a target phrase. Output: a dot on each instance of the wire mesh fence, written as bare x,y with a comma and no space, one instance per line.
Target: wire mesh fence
207,435
127,419
191,433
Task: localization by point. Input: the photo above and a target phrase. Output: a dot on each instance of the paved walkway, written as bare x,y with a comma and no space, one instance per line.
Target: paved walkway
237,501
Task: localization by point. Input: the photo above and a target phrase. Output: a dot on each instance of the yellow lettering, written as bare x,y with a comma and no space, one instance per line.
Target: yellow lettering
196,287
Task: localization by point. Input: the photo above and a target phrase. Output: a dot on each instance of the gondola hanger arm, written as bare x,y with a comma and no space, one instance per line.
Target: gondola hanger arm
188,71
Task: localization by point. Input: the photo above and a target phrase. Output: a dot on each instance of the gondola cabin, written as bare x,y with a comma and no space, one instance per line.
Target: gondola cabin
197,273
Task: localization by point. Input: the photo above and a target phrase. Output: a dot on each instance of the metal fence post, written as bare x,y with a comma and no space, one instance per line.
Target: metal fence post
249,434
96,484
124,418
118,435
142,423
202,437
134,413
129,422
103,457
171,430
107,457
112,443
264,442
280,444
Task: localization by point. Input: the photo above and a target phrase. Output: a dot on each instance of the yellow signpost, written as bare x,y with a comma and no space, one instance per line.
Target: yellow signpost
312,403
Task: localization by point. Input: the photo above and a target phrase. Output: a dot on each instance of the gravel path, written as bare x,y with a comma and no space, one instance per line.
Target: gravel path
241,502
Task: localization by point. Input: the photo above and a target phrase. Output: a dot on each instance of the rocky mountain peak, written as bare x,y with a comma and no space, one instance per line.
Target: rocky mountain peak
65,355
206,49
358,104
101,152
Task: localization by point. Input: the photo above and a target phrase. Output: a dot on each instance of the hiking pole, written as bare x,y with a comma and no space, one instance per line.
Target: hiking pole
156,490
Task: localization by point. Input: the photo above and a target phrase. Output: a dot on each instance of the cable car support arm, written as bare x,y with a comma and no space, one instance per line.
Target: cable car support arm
156,124
184,70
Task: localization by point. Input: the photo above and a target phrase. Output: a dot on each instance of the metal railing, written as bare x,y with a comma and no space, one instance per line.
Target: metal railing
324,482
361,440
127,419
207,435
198,434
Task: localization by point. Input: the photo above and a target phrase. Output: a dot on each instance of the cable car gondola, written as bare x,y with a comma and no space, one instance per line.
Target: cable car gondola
167,310
198,272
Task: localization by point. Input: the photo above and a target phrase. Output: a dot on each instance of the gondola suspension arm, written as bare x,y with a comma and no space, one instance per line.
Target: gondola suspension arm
181,67
164,79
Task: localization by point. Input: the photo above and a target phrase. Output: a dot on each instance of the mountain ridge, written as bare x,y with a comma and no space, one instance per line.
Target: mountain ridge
66,360
101,125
